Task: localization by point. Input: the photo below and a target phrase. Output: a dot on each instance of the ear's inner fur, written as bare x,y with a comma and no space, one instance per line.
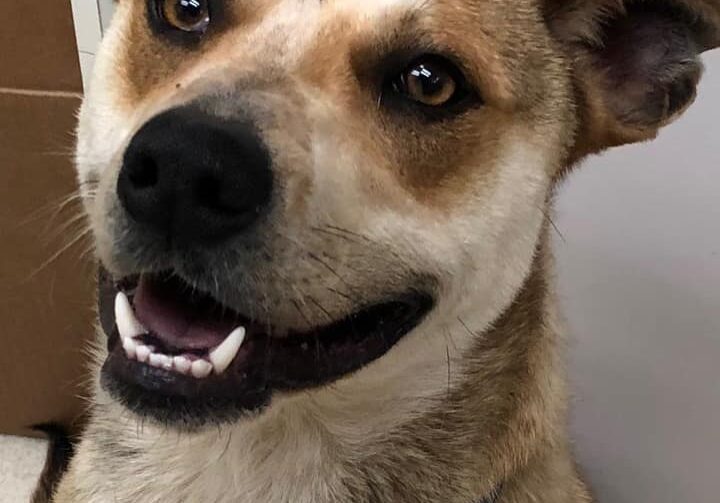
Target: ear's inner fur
650,60
637,63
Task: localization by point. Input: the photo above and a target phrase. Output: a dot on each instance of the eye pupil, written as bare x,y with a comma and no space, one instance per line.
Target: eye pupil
190,10
429,83
186,15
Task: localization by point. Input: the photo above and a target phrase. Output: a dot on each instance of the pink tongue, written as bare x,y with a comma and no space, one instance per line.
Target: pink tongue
177,318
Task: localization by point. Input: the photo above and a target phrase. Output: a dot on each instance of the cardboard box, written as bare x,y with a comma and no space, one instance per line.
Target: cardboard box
37,47
46,287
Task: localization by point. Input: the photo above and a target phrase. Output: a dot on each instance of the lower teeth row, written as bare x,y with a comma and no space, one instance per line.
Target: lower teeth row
218,359
135,350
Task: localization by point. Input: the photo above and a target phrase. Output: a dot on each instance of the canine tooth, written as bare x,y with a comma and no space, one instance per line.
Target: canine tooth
201,368
182,364
142,353
130,347
223,355
127,323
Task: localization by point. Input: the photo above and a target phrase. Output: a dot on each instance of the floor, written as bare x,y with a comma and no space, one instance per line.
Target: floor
21,460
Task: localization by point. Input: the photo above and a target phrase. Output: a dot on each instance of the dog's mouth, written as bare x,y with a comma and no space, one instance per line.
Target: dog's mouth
177,354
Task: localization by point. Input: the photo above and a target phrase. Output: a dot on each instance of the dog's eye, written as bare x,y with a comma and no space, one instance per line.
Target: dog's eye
431,81
186,15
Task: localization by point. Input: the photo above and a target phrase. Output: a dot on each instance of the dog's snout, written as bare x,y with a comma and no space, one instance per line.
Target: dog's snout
195,178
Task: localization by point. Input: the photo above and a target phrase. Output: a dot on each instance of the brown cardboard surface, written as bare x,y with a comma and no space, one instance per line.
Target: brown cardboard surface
37,46
46,306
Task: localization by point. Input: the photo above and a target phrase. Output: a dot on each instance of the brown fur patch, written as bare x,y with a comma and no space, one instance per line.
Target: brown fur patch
513,70
155,58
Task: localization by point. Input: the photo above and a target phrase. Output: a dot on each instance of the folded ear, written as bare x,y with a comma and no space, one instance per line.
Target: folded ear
636,62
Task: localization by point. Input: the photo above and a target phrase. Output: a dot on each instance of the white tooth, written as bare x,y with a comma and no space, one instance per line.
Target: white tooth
166,362
160,361
182,364
127,323
223,355
155,359
142,353
201,368
130,347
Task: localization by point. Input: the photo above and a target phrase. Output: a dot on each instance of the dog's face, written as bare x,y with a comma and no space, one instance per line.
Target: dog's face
323,202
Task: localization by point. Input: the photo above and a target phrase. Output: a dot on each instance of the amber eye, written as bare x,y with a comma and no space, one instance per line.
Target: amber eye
186,15
431,81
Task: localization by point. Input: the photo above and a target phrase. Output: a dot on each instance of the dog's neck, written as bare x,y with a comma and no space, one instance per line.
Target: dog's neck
499,425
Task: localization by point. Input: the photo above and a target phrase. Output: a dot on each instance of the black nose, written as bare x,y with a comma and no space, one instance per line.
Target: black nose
195,178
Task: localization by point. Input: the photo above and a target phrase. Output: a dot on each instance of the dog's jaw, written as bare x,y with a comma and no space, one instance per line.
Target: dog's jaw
334,446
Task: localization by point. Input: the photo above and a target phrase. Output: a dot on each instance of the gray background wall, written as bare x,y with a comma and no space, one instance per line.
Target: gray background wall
639,272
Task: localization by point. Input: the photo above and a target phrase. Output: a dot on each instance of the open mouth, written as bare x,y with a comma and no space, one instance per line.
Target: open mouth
180,355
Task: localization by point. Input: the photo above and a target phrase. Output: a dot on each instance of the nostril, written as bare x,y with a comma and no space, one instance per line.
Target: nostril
144,173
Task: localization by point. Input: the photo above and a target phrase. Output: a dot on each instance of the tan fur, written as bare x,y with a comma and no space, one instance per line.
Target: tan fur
473,399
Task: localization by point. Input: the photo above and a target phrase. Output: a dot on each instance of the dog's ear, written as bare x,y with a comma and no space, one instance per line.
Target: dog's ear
636,62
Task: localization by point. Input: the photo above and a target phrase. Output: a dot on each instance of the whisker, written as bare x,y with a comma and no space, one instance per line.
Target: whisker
321,308
549,217
61,229
301,312
341,232
341,294
57,206
58,254
465,326
448,336
334,234
327,266
557,230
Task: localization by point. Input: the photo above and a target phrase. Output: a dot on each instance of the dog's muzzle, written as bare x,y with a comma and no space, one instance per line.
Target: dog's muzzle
178,352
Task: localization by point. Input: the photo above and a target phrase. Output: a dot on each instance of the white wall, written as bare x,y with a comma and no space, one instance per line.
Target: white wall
640,282
88,31
106,8
91,17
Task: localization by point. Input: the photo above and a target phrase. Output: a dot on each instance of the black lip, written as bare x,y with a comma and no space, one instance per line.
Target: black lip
293,363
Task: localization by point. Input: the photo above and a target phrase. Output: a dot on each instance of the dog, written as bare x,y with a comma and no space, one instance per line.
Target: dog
324,230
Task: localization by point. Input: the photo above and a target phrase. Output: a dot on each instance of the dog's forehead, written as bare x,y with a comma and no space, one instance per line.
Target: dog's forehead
256,35
370,8
284,29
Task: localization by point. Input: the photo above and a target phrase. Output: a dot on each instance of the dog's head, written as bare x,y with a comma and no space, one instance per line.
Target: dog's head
326,195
